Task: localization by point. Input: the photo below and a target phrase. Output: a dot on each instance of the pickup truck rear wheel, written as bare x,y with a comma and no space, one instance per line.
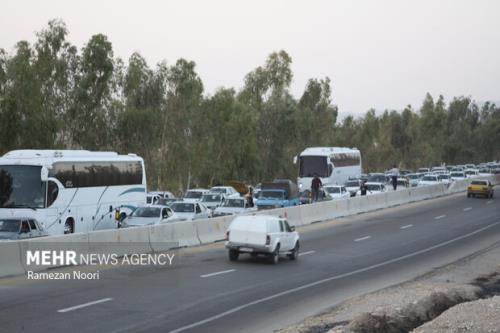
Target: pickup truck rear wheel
275,256
233,255
294,255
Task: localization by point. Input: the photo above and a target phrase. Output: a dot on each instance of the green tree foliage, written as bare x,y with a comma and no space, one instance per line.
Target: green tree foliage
53,95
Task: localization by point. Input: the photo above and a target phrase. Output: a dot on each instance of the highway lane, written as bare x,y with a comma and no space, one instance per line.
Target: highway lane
205,292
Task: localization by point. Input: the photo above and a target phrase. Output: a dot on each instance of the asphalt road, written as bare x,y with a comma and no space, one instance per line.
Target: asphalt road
204,292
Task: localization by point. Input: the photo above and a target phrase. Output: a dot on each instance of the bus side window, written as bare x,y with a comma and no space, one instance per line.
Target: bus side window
52,193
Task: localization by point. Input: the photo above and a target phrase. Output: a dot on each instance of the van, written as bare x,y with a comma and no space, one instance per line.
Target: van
262,235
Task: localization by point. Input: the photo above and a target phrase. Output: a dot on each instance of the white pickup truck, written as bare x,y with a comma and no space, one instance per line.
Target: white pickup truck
262,235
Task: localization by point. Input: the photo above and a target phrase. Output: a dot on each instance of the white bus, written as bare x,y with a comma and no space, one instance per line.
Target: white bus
70,190
333,165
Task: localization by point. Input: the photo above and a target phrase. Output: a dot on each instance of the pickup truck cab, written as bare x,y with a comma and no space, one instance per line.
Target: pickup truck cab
278,194
262,235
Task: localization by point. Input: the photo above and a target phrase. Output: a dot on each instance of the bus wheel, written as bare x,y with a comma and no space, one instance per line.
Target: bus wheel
69,226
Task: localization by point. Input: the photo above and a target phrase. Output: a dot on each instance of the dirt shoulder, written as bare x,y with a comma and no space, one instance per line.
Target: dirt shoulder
457,297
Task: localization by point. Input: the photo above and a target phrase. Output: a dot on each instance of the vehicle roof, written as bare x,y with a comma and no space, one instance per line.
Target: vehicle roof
49,157
197,190
257,218
183,202
156,206
374,183
325,151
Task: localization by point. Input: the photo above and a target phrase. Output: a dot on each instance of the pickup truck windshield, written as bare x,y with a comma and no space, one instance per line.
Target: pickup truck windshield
146,212
9,225
268,194
238,203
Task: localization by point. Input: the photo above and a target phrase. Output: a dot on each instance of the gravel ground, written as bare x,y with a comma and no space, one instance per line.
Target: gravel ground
481,316
449,294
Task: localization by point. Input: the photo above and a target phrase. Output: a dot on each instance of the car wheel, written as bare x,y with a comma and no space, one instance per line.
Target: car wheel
233,255
275,256
295,252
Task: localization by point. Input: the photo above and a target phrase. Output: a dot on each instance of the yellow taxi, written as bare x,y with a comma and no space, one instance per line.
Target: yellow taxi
480,187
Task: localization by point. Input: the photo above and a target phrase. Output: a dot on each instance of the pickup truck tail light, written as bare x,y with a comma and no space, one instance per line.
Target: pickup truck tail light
268,240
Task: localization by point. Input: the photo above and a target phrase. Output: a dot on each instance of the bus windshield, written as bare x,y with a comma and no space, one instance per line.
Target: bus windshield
311,165
21,187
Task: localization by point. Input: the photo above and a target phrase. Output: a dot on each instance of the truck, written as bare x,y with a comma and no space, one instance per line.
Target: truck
278,194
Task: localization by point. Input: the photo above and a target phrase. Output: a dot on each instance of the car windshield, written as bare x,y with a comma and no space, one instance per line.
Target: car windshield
377,178
413,176
193,195
352,183
181,207
235,203
470,172
332,190
9,225
478,182
430,178
373,187
218,190
147,212
444,177
311,165
21,186
211,198
457,174
271,194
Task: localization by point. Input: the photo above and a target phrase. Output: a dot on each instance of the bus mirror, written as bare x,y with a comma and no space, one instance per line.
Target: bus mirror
295,160
330,169
44,174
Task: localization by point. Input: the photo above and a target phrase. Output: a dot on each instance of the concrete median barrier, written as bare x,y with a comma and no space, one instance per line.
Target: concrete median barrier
79,243
10,259
183,233
214,229
120,241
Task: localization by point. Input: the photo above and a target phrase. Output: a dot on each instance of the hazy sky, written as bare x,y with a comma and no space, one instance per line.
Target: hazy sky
381,54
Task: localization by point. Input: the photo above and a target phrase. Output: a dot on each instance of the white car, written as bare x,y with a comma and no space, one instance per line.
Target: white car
336,192
150,215
212,200
152,199
413,178
194,195
471,173
352,186
446,179
234,206
227,191
262,235
457,175
190,210
373,188
429,180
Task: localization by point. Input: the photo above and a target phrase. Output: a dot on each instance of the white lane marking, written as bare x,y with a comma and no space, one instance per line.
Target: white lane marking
336,277
362,238
76,307
406,226
489,202
467,208
217,273
440,217
306,253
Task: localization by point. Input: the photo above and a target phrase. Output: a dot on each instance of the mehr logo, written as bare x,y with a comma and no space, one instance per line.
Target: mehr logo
71,258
